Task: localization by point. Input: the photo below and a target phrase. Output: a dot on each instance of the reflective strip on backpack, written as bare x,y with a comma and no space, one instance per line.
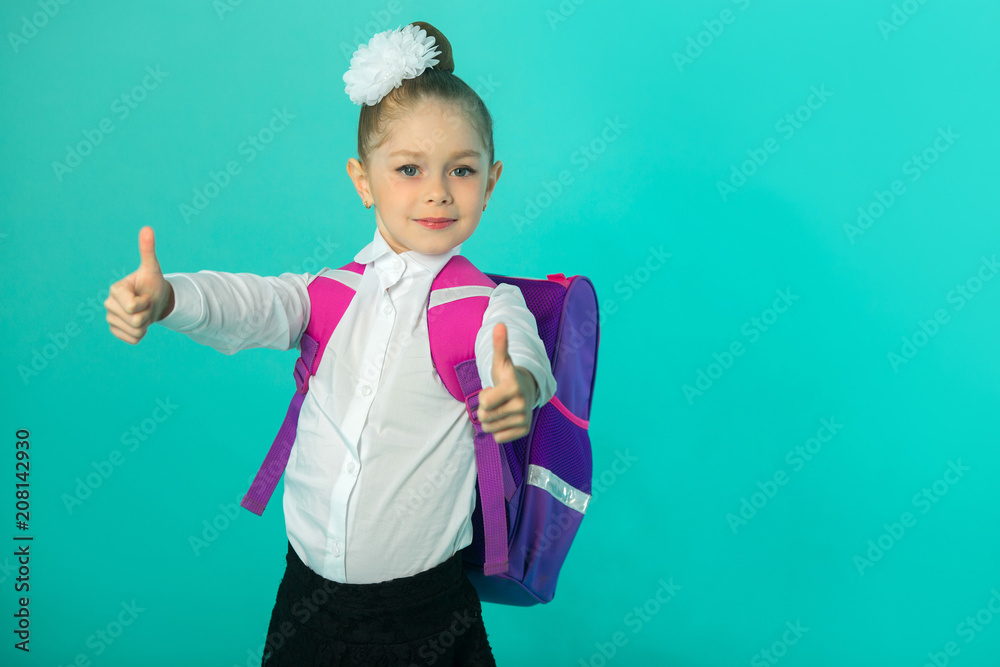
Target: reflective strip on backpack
568,495
349,278
449,294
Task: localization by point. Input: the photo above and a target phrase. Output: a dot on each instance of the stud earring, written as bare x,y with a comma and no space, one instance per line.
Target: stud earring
367,205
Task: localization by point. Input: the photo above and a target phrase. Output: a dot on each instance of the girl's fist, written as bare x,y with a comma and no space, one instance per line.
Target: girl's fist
504,409
140,298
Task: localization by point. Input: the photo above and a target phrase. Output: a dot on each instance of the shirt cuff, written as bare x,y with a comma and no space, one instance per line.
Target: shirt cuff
189,303
538,391
543,394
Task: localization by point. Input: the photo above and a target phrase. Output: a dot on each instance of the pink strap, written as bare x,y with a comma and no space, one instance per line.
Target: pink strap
452,327
335,297
582,423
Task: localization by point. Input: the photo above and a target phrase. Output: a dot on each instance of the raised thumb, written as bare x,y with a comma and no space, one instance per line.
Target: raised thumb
147,250
499,350
148,275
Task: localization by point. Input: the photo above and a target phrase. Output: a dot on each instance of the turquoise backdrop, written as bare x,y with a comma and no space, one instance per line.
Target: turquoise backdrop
789,211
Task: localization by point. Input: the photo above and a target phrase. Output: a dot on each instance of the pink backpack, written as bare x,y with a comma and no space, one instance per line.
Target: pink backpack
532,492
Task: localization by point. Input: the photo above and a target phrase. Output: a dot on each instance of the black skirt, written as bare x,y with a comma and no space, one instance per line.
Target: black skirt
431,618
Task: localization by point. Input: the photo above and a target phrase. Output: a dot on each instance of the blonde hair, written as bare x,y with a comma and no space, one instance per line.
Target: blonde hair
438,83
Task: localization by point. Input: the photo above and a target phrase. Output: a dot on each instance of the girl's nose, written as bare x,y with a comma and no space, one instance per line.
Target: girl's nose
437,190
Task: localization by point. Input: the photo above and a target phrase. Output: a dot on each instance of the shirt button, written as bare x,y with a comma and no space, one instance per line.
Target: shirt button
350,467
365,390
336,548
387,309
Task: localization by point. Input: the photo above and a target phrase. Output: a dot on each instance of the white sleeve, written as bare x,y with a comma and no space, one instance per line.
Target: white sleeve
236,311
524,346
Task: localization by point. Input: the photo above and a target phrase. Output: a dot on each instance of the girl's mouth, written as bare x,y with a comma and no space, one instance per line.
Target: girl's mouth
436,223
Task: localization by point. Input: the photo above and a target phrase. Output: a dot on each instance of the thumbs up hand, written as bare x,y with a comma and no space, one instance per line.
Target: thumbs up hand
504,408
140,298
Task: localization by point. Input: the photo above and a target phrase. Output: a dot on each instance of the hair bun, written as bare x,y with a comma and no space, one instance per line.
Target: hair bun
445,61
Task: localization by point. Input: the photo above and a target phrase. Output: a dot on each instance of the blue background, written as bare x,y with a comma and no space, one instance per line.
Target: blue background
697,89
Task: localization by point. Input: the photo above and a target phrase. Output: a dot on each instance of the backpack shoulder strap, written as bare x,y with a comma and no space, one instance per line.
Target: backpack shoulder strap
456,304
329,296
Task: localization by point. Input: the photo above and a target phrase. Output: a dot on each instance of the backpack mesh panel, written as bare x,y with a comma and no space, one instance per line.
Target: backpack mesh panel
545,300
566,442
514,450
567,450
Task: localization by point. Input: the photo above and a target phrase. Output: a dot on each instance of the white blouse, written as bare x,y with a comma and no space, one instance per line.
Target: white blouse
380,482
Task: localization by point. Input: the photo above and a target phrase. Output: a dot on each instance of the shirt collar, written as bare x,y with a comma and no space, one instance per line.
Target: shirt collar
379,247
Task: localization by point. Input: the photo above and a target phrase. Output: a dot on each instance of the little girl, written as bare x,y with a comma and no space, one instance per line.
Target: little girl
380,484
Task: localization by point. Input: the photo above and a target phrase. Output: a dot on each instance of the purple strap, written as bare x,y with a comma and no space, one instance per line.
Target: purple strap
490,474
496,483
277,457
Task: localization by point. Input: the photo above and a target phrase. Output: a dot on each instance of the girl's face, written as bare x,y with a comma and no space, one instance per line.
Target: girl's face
432,165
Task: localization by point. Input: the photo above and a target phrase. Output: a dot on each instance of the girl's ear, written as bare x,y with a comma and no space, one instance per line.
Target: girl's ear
359,178
491,182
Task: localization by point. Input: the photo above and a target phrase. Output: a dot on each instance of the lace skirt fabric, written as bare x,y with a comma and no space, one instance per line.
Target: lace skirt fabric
430,618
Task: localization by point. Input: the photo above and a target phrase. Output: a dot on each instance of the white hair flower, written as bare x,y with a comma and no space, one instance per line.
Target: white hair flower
387,59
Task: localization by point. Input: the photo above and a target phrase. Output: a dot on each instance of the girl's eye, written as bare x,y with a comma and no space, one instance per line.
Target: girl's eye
402,169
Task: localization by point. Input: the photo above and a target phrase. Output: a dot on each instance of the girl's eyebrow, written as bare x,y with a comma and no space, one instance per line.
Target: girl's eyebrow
454,156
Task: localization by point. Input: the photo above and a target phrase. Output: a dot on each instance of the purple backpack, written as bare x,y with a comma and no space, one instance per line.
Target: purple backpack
532,492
